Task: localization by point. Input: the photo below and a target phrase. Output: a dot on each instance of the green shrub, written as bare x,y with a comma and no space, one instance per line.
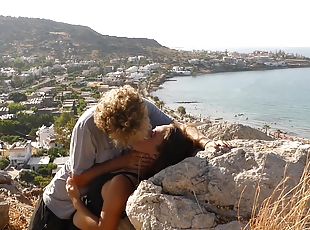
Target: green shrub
44,171
27,176
4,162
42,181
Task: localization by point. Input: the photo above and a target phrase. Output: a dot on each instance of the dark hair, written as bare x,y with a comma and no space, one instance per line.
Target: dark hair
175,148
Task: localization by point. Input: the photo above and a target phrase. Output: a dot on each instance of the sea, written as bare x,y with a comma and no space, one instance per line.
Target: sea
278,98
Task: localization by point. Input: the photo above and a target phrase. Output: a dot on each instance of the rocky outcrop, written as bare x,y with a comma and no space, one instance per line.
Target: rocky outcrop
4,213
5,178
16,206
211,190
228,131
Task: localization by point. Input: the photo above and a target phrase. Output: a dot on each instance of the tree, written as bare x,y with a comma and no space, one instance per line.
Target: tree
181,110
160,104
19,64
156,98
42,181
63,128
34,109
81,106
74,109
27,176
41,152
17,97
266,128
95,54
46,170
4,162
10,138
16,81
34,121
16,107
10,127
56,152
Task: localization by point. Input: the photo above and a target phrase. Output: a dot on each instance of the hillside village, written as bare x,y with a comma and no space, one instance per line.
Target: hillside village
47,89
42,96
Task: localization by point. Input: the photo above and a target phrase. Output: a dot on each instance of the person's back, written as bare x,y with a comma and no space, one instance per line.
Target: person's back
94,140
96,148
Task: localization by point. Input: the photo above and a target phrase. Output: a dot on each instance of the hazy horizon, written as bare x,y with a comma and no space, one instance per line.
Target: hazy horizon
181,25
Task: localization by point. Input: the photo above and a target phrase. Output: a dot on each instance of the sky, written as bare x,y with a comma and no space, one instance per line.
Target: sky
181,24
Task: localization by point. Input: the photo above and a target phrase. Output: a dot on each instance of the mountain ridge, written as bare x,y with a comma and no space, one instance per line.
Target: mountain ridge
21,35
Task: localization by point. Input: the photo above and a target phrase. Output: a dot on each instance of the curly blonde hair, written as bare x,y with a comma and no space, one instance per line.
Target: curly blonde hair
122,114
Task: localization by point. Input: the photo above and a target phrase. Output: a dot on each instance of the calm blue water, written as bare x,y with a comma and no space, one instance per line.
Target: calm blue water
279,98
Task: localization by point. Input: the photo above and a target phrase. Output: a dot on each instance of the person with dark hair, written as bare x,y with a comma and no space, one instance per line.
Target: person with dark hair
98,146
167,144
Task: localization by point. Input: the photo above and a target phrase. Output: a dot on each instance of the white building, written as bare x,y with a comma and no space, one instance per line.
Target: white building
36,71
132,69
46,137
229,60
8,72
145,70
137,77
263,59
276,64
152,66
115,61
180,71
116,74
112,80
194,61
20,153
36,162
133,59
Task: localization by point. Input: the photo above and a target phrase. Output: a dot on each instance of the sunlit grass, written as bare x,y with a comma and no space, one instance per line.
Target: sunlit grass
284,209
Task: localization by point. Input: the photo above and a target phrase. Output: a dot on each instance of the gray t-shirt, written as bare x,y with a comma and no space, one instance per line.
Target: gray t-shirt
89,145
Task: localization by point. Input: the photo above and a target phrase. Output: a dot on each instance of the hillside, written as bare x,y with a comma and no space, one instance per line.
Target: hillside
31,36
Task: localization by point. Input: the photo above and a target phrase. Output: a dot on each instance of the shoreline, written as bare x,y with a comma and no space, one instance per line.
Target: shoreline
159,80
199,73
275,132
197,121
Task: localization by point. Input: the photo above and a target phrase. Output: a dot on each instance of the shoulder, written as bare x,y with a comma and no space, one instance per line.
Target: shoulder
86,120
148,102
151,107
157,117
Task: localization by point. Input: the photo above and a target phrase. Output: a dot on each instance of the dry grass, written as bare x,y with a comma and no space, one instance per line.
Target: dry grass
284,209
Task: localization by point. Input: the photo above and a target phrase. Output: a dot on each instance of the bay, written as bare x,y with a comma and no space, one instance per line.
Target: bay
279,98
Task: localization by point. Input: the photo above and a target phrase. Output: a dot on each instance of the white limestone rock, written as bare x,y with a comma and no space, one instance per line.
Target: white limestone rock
229,131
208,192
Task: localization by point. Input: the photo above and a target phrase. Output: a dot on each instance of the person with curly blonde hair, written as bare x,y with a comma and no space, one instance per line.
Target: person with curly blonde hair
98,147
170,143
123,115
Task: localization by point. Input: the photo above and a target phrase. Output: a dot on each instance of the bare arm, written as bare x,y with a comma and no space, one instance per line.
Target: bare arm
194,134
132,161
83,218
114,192
89,175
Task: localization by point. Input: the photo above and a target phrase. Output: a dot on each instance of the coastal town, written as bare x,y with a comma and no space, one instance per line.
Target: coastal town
42,94
233,75
41,98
